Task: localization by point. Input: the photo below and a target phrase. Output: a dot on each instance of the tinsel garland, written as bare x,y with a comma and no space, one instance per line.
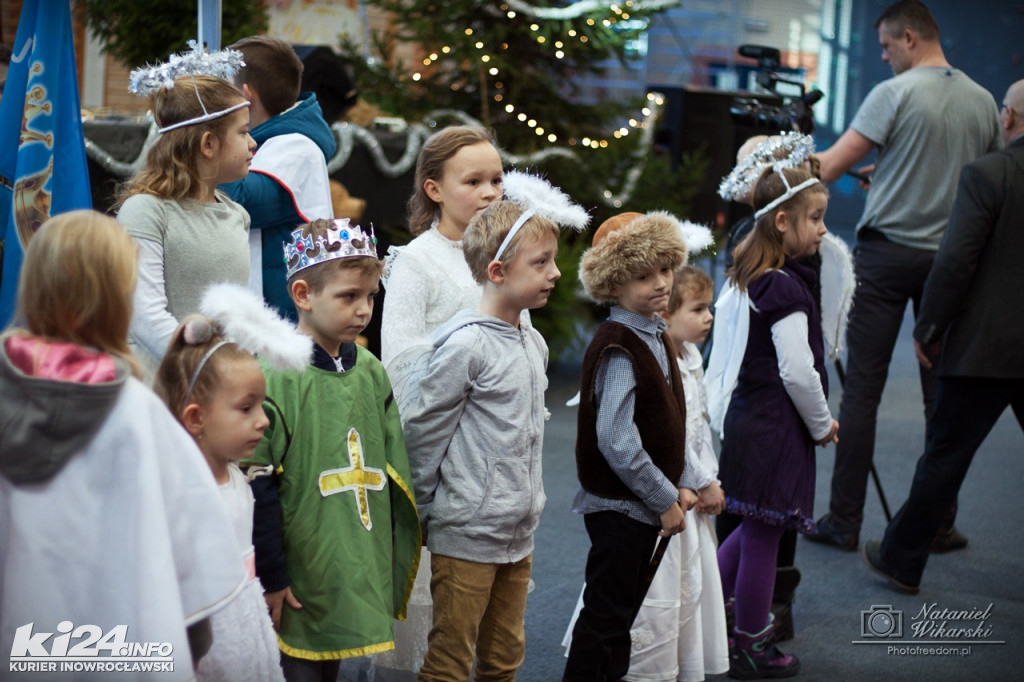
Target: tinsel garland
578,9
348,134
123,169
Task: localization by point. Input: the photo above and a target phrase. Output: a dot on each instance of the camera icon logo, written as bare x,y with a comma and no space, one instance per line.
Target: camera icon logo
881,622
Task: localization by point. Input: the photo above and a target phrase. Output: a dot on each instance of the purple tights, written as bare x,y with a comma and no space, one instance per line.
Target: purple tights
746,561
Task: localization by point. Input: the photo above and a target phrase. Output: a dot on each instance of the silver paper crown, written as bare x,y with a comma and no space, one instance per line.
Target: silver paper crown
149,79
343,240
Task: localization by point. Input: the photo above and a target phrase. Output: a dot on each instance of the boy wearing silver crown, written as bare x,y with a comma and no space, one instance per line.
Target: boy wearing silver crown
475,434
336,531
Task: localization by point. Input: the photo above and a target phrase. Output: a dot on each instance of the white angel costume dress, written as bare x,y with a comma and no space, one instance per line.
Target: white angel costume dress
244,642
110,521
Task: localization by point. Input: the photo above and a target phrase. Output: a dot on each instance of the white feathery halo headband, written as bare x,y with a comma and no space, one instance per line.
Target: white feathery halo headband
787,150
788,194
539,197
149,80
243,319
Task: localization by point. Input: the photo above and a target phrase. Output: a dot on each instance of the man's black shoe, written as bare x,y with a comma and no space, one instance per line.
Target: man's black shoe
872,554
828,535
948,541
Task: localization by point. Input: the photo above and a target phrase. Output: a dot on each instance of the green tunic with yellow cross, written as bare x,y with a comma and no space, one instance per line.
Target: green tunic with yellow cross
351,532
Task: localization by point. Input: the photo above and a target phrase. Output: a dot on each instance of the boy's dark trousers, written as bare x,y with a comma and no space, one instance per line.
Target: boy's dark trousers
620,552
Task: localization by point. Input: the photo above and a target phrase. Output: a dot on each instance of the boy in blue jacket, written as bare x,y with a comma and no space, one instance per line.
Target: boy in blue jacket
287,185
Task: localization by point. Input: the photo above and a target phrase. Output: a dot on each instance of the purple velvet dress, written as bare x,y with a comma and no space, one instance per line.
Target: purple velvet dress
768,463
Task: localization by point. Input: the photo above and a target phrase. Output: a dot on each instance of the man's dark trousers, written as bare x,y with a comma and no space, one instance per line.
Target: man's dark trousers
965,412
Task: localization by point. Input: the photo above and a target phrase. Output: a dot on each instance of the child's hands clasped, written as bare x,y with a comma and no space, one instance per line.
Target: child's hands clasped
711,499
687,499
672,520
276,601
832,436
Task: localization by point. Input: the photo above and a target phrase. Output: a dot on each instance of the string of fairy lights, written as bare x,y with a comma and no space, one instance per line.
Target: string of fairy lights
616,12
349,134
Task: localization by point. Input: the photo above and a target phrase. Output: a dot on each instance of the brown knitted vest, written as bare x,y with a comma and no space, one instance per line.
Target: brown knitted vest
659,415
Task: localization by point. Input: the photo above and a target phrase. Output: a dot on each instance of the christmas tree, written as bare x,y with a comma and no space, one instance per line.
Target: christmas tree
520,69
139,33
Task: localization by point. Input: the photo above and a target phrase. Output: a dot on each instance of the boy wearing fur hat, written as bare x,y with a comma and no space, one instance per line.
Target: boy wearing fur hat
634,484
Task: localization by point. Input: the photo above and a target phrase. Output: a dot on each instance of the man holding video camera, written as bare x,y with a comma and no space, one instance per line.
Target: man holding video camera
926,123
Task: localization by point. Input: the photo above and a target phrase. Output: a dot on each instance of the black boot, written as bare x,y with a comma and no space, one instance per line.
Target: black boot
755,657
786,580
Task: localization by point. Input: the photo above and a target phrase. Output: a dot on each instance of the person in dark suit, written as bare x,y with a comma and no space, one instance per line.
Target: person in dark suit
925,123
971,304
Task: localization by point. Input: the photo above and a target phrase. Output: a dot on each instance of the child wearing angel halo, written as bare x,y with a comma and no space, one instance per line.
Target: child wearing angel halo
774,391
757,153
458,173
475,433
118,521
190,234
336,530
212,383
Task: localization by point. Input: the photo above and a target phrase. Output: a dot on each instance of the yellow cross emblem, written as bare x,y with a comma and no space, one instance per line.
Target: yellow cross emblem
356,478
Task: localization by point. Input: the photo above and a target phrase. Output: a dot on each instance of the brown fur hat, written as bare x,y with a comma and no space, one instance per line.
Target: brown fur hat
627,244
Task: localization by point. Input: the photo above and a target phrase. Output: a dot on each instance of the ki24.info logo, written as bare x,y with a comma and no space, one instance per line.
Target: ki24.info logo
86,648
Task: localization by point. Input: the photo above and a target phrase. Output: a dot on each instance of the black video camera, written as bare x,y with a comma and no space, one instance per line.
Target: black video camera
794,113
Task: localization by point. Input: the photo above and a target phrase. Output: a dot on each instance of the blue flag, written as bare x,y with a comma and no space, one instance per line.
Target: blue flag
42,149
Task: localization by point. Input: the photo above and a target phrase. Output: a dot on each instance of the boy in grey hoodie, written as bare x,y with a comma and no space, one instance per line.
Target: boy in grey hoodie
474,439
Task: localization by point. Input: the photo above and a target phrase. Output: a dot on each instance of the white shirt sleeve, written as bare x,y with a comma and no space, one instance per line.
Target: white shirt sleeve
152,324
404,320
801,380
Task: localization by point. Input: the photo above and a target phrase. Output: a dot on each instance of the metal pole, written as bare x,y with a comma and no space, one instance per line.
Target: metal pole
209,24
874,472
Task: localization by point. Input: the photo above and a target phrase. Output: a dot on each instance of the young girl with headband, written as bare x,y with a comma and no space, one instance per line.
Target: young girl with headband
215,387
458,173
111,516
190,234
773,394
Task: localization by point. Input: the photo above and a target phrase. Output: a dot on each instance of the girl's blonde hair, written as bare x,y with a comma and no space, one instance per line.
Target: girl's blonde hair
761,250
172,164
77,282
178,368
436,151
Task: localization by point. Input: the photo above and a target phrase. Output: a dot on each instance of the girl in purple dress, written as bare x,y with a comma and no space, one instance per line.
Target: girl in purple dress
778,409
